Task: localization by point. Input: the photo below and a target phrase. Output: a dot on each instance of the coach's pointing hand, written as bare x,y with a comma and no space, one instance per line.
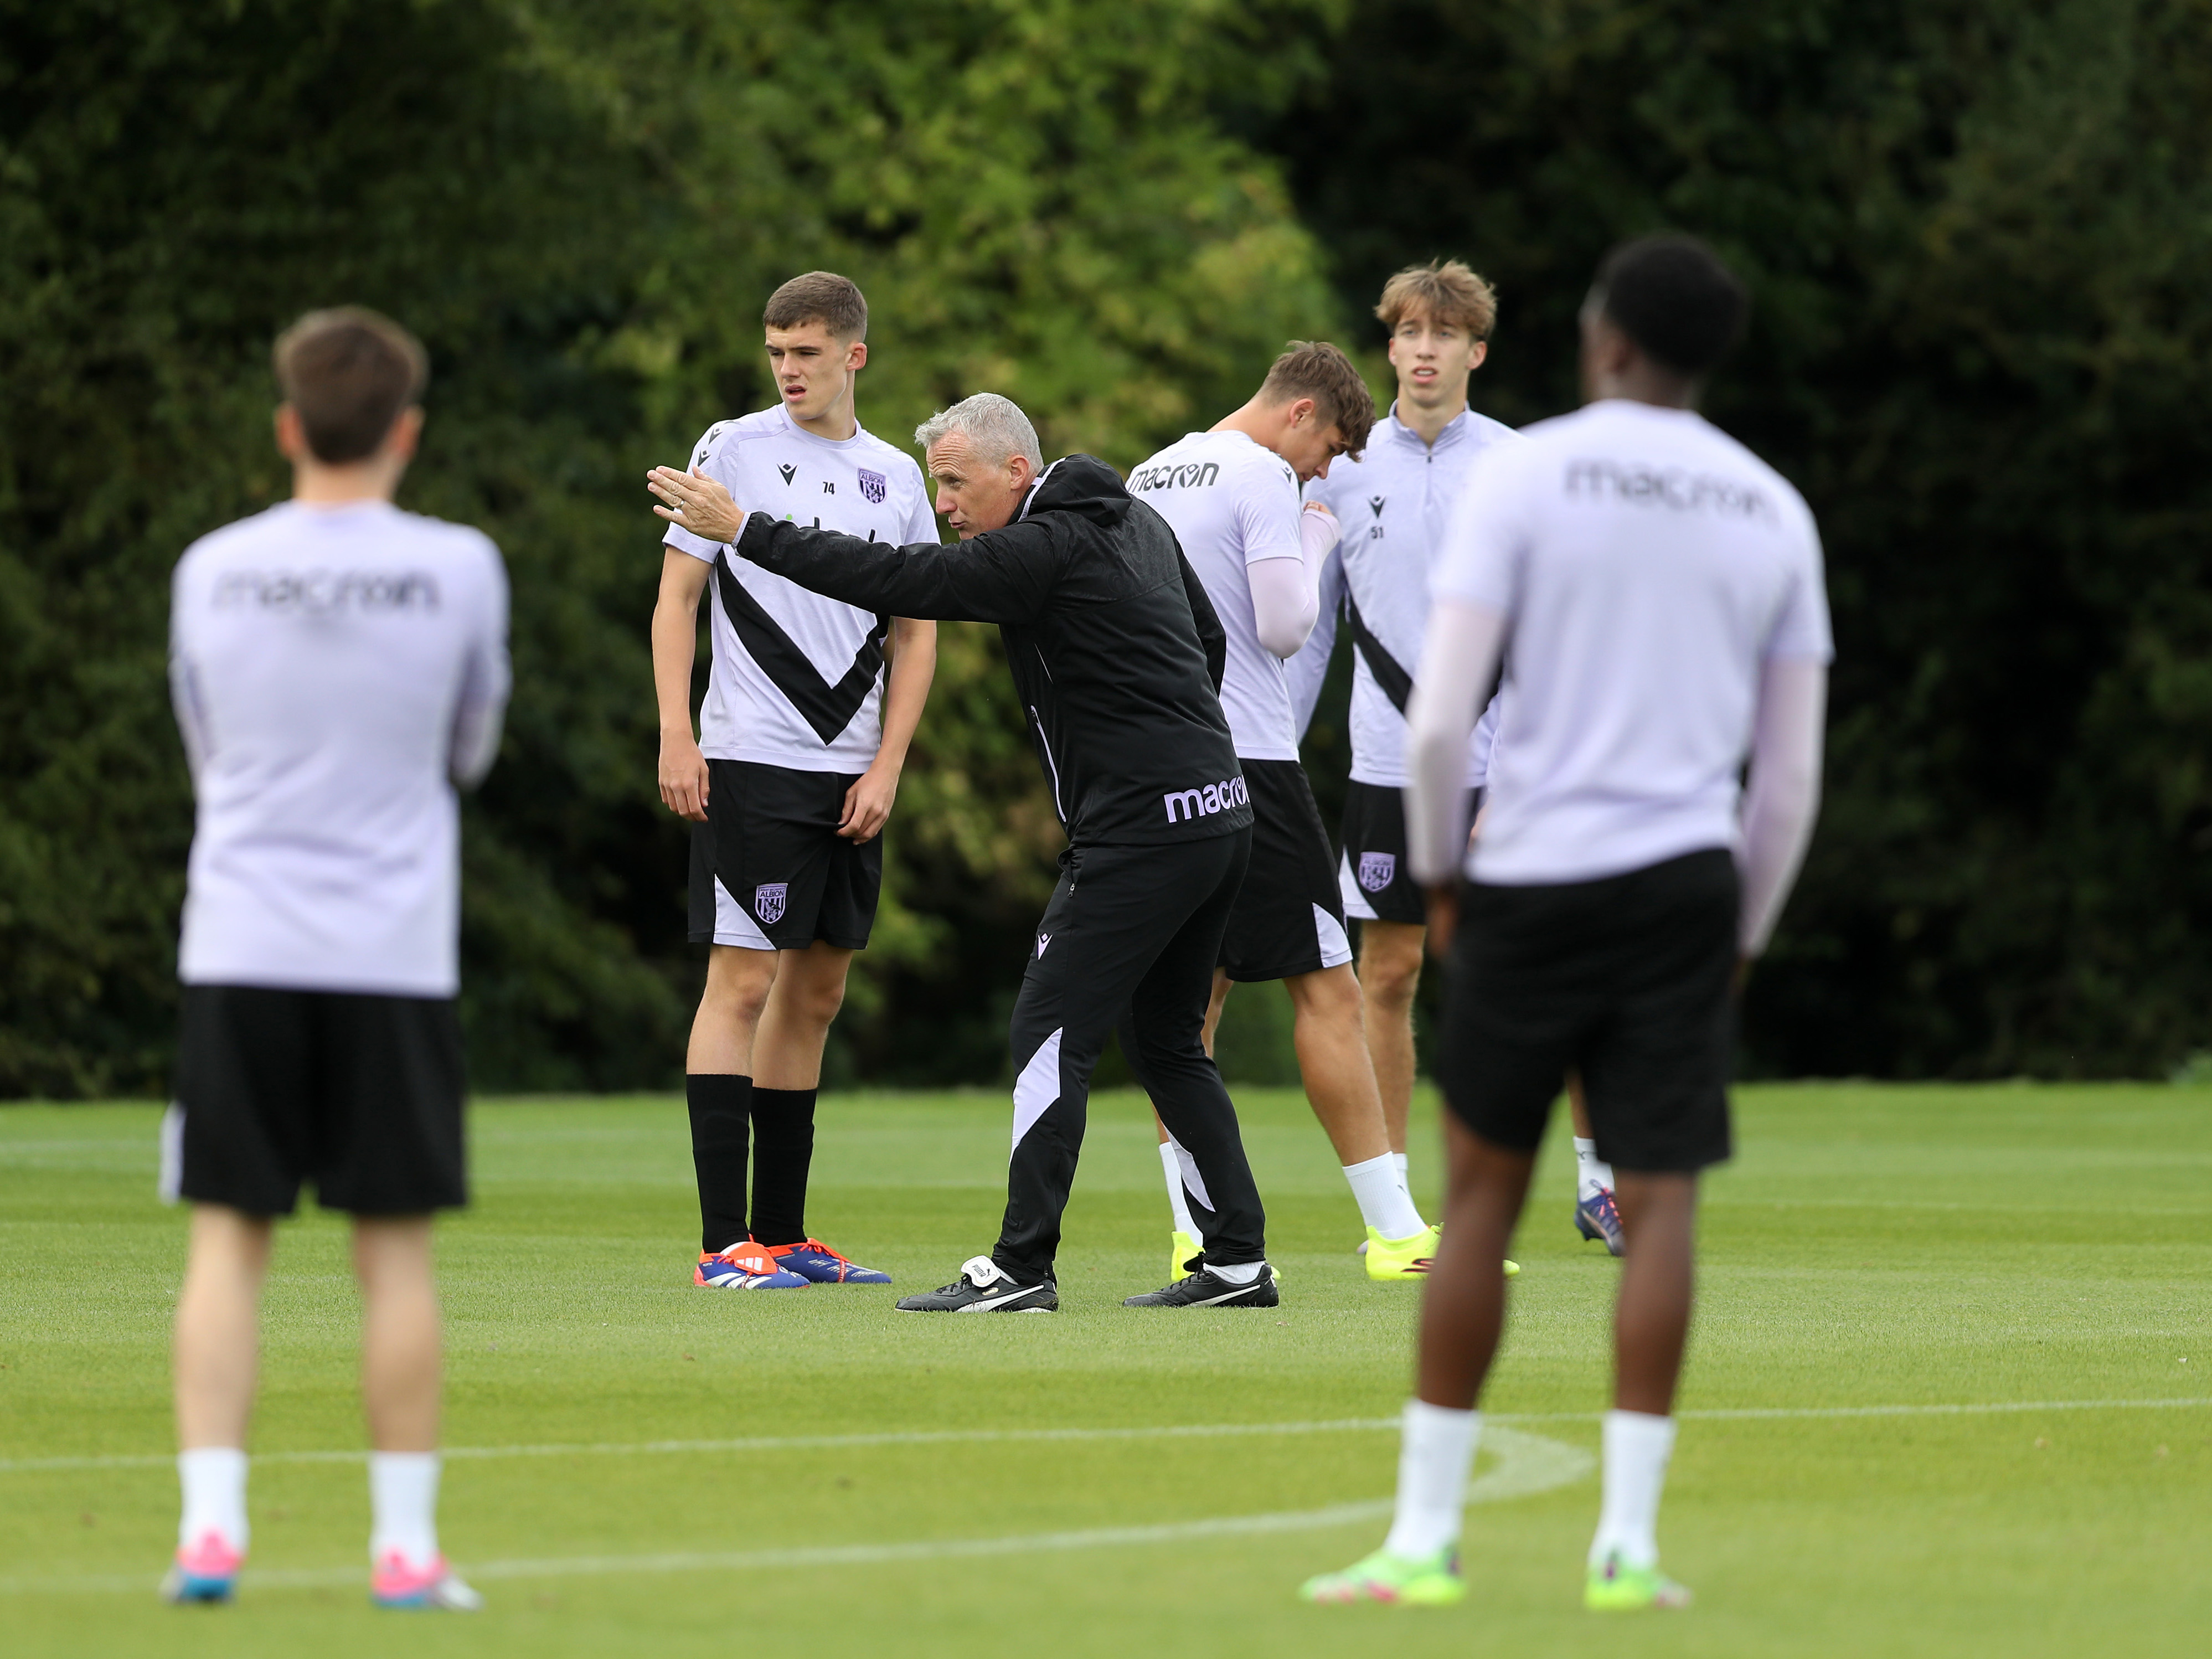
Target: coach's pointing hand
700,504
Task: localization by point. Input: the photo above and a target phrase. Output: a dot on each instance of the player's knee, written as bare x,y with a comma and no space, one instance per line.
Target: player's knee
1331,997
738,984
1388,978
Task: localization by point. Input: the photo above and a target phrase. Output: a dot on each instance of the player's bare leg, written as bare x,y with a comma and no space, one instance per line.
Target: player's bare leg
787,1060
1389,974
400,1374
218,1341
1463,1309
1328,1030
723,1030
808,990
400,1341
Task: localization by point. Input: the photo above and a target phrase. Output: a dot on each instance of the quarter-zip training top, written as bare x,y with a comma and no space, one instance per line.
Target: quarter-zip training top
1115,651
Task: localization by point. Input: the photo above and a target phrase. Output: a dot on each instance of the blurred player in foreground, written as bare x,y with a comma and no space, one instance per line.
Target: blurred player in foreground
1658,592
1116,655
338,668
802,737
1230,494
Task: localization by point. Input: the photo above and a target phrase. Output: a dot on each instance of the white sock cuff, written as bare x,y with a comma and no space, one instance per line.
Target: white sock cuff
1384,1204
1640,1431
1241,1272
1403,1163
402,1494
1436,1449
213,1483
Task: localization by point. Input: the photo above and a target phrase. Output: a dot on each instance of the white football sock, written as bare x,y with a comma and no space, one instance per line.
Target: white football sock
1242,1273
1178,1201
214,1480
1383,1202
1435,1451
1589,1173
1636,1447
402,1498
1404,1165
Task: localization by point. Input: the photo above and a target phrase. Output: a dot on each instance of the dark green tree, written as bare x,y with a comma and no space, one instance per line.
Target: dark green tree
1975,233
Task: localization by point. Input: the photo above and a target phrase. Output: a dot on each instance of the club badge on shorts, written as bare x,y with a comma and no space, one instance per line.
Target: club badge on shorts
768,902
1377,869
873,486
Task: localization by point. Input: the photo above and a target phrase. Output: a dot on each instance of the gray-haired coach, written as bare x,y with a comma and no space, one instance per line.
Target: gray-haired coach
1117,657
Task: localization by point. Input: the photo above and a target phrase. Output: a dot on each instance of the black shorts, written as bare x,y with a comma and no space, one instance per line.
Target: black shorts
1371,877
1629,979
1288,919
770,871
361,1095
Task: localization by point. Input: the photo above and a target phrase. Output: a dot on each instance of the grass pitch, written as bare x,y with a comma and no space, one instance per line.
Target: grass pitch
1947,1393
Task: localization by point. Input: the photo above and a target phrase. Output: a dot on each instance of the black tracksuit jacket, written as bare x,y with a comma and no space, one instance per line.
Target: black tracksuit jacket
1115,650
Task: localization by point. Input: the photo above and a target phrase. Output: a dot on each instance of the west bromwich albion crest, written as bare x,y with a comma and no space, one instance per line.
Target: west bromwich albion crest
873,485
1376,870
768,902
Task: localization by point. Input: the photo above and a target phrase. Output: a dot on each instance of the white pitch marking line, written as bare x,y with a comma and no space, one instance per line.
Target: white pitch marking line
761,1442
1526,1464
1192,1430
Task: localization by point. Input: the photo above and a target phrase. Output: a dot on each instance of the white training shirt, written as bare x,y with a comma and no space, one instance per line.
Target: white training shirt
1394,503
336,669
1648,565
790,685
1232,503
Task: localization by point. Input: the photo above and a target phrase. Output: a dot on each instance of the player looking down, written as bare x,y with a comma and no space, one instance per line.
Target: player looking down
802,737
1230,494
1116,654
1658,590
338,667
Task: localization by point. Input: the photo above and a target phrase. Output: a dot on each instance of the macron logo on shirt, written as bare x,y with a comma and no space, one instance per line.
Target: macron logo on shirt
1189,474
1674,487
321,593
1204,803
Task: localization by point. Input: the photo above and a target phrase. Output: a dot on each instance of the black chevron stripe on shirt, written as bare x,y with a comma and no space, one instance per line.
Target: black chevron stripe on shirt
1397,684
828,708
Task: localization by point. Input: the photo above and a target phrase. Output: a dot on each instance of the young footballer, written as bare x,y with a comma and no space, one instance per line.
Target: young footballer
802,737
1116,655
1659,593
1230,494
1392,502
339,667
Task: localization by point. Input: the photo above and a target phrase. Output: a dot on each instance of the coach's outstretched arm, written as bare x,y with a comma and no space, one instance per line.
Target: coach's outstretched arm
1000,577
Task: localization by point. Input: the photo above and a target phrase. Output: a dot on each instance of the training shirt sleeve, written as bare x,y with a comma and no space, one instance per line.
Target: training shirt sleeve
1304,673
707,457
481,710
184,682
1000,576
1782,793
921,523
1458,659
1802,629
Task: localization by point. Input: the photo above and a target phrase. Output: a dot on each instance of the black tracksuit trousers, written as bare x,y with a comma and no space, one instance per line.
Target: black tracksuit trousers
1140,929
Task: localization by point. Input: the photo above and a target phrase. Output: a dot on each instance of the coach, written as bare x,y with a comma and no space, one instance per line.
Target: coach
1117,657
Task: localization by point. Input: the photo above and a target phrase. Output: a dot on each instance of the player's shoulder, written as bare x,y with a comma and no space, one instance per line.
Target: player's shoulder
246,536
736,432
895,461
1486,433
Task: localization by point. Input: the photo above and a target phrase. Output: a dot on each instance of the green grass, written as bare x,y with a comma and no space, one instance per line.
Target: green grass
1870,1248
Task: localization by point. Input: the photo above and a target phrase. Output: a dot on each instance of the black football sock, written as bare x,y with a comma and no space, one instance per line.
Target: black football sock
783,1139
720,1107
